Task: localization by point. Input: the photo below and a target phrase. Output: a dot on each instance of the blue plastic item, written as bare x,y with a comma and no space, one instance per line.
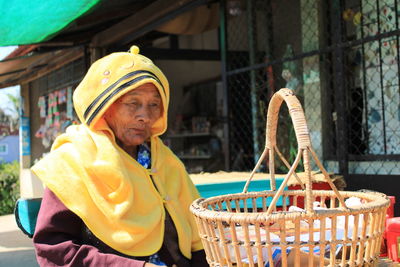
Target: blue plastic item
26,211
216,189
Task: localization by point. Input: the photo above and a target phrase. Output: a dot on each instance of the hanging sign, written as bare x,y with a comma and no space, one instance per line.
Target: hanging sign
25,136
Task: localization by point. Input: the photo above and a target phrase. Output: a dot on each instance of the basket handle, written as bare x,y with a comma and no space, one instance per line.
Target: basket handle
304,148
296,113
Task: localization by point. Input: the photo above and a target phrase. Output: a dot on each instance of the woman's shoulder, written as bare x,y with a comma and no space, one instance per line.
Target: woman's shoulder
76,135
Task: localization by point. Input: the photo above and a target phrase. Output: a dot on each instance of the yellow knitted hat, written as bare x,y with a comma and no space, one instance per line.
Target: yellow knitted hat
111,77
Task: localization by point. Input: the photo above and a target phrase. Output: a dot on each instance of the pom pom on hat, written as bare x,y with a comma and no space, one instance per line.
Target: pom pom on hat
134,50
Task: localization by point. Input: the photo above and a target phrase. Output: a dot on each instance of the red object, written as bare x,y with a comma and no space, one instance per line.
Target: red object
390,210
315,186
389,214
393,238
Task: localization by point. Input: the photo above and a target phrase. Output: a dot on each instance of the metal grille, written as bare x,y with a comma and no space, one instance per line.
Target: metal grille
341,59
370,84
70,74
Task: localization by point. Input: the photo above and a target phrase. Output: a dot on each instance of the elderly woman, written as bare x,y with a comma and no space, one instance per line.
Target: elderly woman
115,194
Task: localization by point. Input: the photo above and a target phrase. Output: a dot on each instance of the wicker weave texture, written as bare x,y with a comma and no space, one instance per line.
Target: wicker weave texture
248,229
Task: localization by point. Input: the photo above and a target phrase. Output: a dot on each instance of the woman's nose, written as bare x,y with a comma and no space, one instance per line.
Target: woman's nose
143,114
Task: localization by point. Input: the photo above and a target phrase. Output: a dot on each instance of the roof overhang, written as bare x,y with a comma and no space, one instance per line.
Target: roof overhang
149,18
98,29
23,69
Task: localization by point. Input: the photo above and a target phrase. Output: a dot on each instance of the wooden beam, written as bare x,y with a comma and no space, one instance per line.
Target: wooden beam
58,44
12,72
41,66
61,60
9,84
137,21
20,51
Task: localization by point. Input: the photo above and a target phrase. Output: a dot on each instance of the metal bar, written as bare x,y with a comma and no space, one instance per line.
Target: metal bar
253,84
327,49
390,157
223,50
381,80
374,157
340,90
328,143
364,80
269,50
396,6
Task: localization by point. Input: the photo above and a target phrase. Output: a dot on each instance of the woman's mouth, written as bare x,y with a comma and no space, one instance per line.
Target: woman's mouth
138,130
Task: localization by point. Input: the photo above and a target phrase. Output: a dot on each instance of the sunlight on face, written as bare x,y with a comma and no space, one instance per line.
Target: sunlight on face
132,115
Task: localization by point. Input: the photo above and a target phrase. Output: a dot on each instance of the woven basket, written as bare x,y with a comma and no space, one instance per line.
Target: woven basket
248,229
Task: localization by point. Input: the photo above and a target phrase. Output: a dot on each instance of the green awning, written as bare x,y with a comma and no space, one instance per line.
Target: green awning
33,21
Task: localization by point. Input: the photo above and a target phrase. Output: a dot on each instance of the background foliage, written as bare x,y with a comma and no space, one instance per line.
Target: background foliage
9,186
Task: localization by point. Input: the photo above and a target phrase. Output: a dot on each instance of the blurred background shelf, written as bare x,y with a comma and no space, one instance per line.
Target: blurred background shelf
197,134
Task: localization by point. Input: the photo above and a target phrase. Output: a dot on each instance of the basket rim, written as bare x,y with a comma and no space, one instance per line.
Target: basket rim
378,201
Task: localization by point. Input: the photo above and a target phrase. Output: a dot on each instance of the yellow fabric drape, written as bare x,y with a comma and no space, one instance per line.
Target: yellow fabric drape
114,195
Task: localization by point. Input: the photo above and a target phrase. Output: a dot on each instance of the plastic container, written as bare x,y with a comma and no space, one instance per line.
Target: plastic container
390,211
389,214
393,238
314,186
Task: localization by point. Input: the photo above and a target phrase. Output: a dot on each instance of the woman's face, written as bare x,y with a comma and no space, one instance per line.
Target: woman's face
132,115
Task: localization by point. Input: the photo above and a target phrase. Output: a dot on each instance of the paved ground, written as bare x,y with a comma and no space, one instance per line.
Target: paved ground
16,249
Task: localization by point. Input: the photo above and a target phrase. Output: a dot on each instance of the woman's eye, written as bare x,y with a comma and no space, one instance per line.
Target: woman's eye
154,105
131,105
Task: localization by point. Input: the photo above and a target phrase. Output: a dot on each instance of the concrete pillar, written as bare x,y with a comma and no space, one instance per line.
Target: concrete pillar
30,185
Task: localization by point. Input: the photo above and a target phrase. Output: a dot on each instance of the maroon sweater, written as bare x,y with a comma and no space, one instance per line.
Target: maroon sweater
62,239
